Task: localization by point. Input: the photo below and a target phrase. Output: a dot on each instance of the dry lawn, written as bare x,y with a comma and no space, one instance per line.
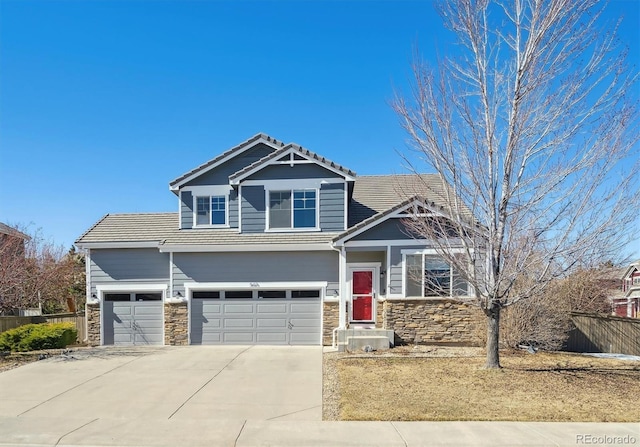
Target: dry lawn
540,387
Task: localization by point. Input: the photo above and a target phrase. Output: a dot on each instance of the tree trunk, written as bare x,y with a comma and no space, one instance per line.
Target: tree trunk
493,336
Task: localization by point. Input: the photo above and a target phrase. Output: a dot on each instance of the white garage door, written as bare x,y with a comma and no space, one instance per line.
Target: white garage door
132,319
285,317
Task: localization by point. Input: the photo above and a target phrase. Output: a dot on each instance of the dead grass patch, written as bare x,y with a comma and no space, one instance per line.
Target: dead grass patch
540,387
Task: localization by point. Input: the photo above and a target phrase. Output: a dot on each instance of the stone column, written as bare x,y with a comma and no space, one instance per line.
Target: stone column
176,324
93,323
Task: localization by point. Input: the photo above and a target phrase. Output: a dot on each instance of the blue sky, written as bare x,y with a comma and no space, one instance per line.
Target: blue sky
102,103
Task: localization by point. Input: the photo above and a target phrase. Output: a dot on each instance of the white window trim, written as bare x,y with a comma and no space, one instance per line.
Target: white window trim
226,211
292,228
429,252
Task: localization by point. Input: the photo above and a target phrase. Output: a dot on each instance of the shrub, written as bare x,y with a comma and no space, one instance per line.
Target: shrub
32,337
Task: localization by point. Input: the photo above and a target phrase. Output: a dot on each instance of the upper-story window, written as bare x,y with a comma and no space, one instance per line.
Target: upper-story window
295,209
211,210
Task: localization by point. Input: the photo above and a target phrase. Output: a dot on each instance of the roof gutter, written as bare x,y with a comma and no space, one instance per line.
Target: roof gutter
221,248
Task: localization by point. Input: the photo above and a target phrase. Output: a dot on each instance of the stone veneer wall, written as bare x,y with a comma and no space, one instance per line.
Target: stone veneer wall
176,324
433,321
93,324
330,318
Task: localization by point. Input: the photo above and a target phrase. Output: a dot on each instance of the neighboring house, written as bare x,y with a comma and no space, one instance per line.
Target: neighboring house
12,259
11,236
629,304
272,244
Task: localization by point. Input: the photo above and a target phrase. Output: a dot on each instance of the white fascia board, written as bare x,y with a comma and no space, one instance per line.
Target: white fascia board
266,285
390,242
223,160
201,248
292,183
430,251
141,244
208,190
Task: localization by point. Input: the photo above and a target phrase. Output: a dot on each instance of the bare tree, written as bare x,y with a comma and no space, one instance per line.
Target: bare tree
35,271
544,320
532,127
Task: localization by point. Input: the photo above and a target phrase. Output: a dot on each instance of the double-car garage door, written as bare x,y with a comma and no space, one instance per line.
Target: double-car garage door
272,317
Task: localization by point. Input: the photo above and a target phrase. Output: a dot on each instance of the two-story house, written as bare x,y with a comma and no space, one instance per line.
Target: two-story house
628,305
273,244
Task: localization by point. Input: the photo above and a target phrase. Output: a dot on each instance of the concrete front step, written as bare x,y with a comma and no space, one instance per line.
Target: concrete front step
368,343
357,339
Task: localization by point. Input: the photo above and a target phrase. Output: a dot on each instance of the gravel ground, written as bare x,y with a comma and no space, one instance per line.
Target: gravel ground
330,382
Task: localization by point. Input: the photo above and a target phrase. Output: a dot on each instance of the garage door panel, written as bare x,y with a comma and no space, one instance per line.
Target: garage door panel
272,338
304,339
214,323
304,322
271,308
211,308
230,309
266,323
310,308
142,310
238,337
121,309
244,323
210,338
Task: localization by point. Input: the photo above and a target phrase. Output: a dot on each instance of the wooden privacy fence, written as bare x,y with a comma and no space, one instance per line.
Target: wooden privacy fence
79,320
602,333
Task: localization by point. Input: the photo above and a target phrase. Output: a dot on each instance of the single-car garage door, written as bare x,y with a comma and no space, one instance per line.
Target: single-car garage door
271,317
132,319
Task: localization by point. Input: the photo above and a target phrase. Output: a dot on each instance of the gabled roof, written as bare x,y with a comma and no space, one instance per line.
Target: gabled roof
237,177
373,194
376,219
633,266
10,231
236,150
377,198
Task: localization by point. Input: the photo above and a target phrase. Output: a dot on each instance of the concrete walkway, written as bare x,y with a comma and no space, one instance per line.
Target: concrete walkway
68,431
226,396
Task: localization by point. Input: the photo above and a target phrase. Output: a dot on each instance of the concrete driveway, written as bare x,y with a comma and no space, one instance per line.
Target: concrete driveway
171,383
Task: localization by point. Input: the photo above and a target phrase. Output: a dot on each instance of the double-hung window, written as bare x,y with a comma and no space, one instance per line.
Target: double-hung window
294,209
211,210
429,275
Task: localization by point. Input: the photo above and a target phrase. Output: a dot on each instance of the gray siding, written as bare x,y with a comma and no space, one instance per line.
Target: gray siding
220,174
186,209
302,171
395,275
233,209
253,209
332,207
256,267
391,229
135,265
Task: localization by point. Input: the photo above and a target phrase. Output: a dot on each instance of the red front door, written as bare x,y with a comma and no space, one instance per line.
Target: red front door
362,295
